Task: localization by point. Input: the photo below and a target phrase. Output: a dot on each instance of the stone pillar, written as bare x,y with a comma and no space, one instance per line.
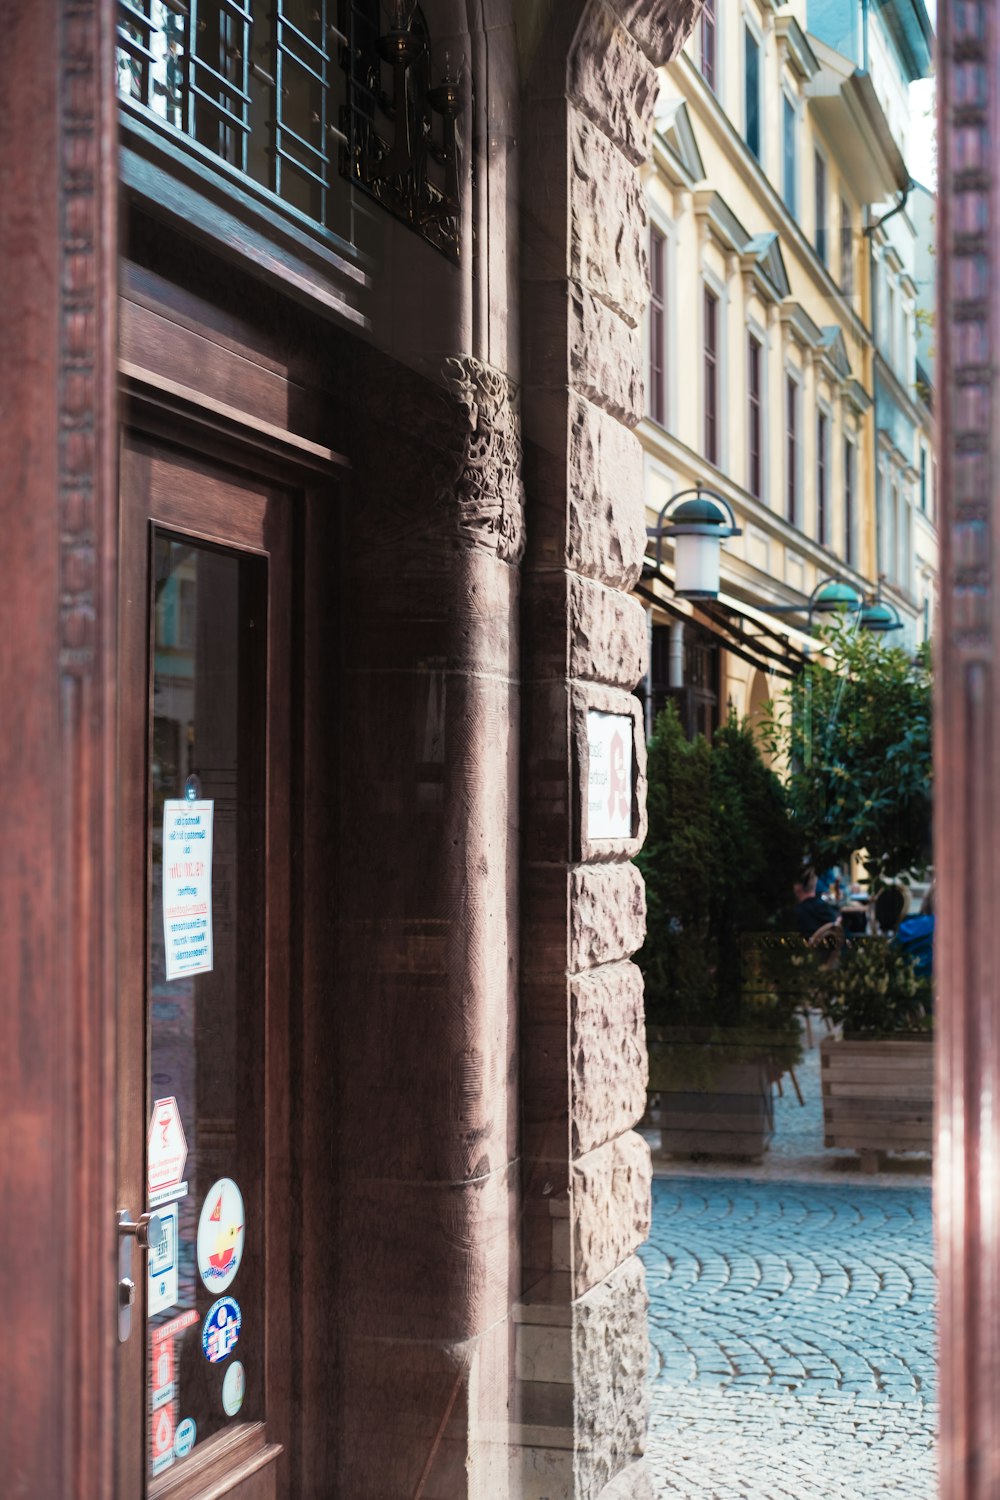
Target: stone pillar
581,1344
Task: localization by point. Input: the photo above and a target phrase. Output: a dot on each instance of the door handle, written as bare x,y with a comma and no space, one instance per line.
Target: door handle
149,1234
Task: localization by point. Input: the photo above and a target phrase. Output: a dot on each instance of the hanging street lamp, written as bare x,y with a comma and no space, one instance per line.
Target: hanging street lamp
697,528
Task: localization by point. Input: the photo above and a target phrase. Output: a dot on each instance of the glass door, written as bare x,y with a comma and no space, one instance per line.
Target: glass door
205,853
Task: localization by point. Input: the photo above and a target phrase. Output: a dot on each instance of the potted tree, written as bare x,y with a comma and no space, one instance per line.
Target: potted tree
855,736
878,1076
719,860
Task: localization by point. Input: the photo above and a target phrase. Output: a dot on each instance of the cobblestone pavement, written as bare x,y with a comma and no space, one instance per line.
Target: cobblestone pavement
792,1326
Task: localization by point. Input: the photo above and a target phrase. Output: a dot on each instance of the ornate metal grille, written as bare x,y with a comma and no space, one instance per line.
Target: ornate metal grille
392,150
260,88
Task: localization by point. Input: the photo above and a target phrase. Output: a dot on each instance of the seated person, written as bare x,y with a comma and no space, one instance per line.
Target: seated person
889,906
915,935
811,911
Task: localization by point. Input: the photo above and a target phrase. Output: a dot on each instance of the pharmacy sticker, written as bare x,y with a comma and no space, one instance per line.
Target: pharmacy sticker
184,1437
220,1235
233,1389
187,887
221,1330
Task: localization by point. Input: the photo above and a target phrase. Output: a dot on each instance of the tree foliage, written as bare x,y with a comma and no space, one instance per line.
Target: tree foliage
719,860
855,734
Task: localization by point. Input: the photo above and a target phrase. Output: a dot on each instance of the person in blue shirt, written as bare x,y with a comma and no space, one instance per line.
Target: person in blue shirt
915,936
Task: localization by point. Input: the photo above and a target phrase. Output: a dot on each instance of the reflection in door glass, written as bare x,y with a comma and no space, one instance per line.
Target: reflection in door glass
205,1292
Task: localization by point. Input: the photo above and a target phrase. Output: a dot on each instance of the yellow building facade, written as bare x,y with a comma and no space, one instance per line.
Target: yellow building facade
769,148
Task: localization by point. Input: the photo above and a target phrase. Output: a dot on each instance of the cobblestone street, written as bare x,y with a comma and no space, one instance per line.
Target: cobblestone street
792,1324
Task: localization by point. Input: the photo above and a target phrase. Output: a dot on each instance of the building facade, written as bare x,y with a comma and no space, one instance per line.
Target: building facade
767,340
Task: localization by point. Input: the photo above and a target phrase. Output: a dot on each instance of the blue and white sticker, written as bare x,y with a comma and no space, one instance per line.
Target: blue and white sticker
221,1329
233,1389
184,1437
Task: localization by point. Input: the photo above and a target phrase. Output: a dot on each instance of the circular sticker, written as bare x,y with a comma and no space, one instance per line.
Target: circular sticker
221,1329
184,1437
220,1235
233,1388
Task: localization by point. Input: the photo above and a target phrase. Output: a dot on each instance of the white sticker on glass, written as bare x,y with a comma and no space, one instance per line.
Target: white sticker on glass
233,1389
187,887
221,1235
162,1262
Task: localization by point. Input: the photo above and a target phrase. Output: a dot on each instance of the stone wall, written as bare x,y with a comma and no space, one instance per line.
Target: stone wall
581,1342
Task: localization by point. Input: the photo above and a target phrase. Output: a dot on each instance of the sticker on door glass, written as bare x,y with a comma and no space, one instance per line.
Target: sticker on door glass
162,1262
221,1330
220,1235
161,1373
163,1439
187,887
166,1152
185,1437
233,1389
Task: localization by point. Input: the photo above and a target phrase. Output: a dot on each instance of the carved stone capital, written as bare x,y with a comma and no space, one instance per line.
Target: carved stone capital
483,480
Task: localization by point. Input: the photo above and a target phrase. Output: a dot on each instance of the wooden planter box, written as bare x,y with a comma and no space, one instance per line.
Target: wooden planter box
878,1096
732,1114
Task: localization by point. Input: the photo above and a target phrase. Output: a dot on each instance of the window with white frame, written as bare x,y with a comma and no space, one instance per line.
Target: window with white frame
708,42
755,415
822,476
710,377
789,154
850,481
657,325
752,111
819,205
792,444
846,249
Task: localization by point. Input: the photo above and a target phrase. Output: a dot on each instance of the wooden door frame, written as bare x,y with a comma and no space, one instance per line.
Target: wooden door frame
58,581
210,501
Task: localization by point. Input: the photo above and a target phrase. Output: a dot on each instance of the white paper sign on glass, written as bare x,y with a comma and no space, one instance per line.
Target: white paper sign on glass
609,782
187,887
162,1261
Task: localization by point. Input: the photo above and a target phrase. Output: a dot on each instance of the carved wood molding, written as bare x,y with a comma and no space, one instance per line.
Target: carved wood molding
967,811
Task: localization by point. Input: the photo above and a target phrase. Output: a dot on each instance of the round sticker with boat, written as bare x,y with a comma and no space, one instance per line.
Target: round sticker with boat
221,1330
233,1389
221,1235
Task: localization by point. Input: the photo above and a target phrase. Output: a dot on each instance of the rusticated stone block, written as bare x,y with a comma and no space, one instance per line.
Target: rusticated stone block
607,251
610,1208
610,1394
633,1483
607,634
609,1063
605,356
606,531
660,27
611,79
607,914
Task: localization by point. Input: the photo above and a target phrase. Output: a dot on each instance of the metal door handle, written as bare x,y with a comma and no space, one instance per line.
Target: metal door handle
148,1230
149,1234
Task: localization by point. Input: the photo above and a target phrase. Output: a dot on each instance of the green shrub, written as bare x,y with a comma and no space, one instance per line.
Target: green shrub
875,990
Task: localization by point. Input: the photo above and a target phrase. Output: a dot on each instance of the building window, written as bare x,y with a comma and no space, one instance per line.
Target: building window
751,56
849,502
819,185
822,476
755,425
261,88
846,249
788,155
923,480
657,325
711,336
792,449
890,321
708,57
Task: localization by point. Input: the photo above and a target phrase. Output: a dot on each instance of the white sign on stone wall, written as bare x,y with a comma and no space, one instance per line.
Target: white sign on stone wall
609,780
